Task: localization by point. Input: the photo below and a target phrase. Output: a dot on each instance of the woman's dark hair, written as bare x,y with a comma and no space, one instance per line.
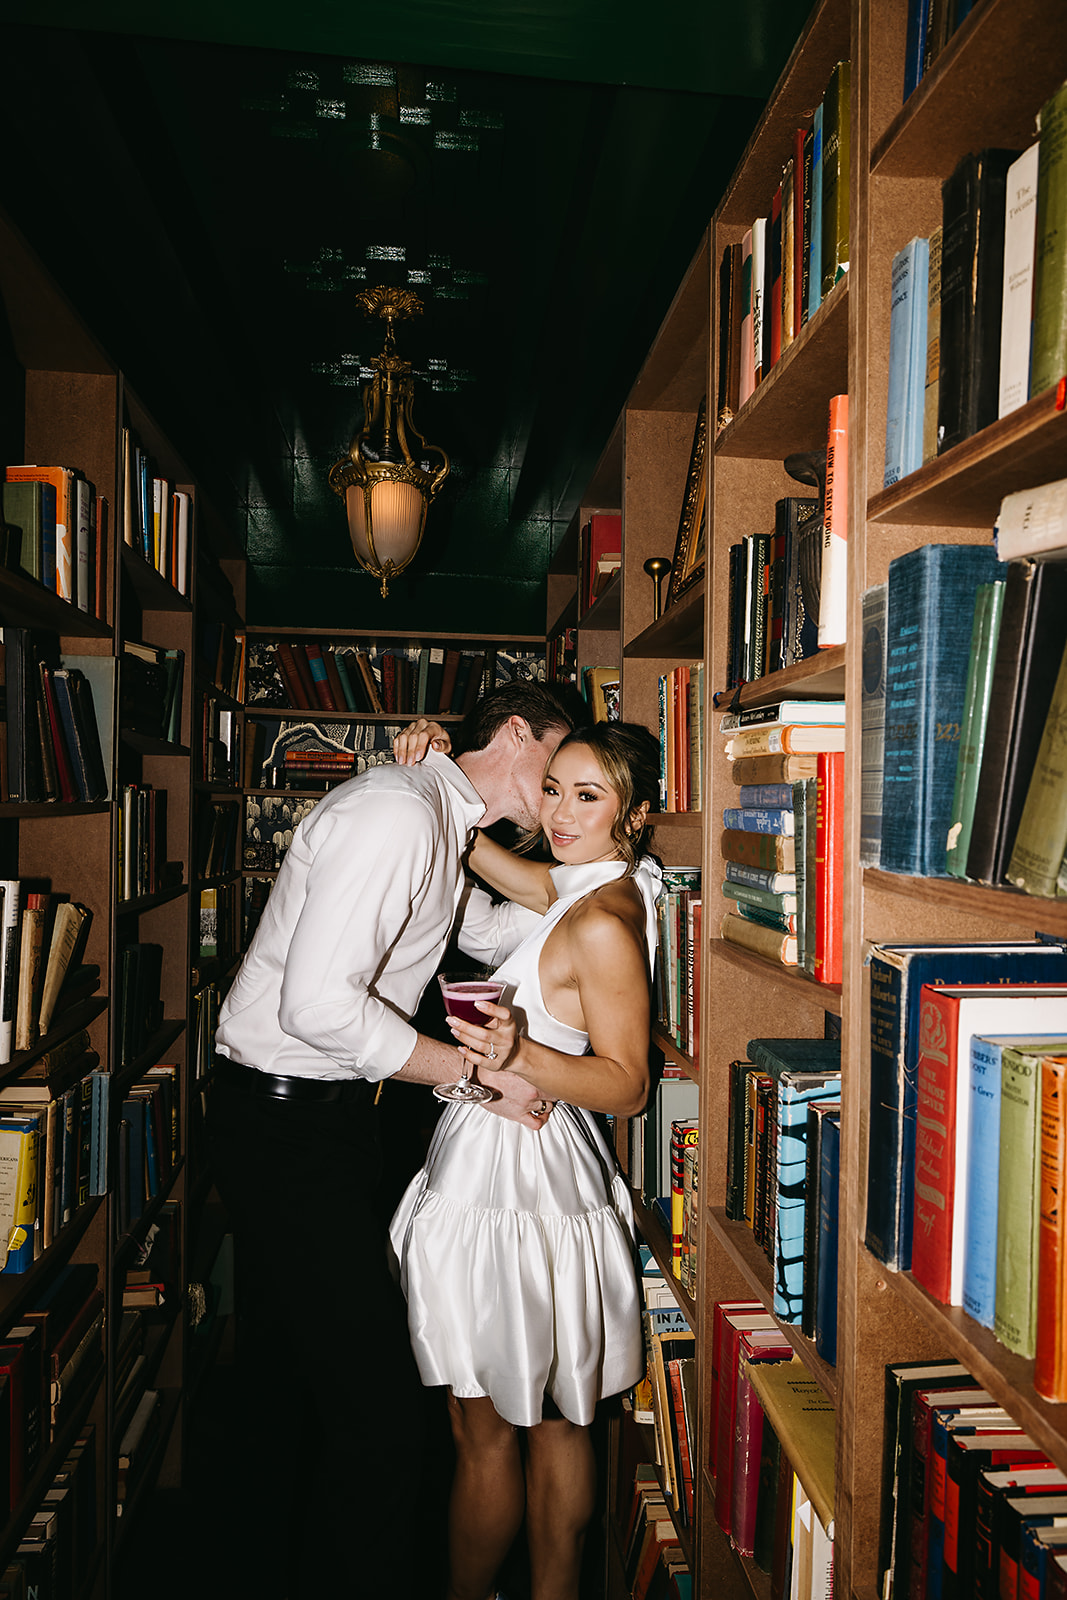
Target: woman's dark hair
629,757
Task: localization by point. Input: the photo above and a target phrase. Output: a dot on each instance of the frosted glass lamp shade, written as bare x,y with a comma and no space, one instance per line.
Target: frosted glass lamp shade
397,515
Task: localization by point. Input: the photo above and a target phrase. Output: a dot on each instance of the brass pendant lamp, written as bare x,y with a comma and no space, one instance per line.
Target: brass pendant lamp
386,481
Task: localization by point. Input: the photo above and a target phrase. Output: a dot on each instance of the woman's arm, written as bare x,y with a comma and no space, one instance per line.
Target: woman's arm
524,881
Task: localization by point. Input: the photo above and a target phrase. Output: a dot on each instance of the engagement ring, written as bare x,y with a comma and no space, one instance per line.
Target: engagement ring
492,1053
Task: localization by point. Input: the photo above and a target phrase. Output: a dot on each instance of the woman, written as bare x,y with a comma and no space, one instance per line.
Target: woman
516,1247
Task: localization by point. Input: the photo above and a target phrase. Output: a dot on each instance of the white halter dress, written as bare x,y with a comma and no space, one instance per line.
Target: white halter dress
515,1247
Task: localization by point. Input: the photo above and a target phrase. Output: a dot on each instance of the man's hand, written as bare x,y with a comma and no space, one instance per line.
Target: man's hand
516,1100
412,742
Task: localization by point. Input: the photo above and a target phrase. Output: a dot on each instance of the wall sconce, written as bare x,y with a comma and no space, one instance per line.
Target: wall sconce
386,487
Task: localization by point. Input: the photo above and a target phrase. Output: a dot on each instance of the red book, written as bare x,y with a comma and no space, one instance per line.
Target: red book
922,1493
833,593
722,1310
294,684
601,536
303,667
1050,1356
829,866
748,1436
734,1325
948,1018
448,680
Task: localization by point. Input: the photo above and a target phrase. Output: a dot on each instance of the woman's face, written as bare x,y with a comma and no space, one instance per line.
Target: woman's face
578,807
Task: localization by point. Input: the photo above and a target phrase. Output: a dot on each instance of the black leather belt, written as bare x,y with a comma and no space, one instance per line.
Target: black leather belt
343,1090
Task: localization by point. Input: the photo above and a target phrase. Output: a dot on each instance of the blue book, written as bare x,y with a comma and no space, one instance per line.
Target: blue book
907,360
915,44
752,819
796,1091
983,1159
815,247
926,684
766,794
761,877
98,1158
898,972
826,1250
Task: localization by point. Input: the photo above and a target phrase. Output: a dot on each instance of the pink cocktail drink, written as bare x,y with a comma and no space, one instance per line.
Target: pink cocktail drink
460,997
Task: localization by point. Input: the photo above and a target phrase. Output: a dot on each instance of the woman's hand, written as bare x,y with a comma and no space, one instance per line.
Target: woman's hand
412,742
490,1050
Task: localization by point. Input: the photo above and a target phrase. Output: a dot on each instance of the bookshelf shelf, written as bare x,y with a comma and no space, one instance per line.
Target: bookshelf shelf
1008,1377
793,400
1007,906
964,487
827,995
739,1243
678,633
664,1042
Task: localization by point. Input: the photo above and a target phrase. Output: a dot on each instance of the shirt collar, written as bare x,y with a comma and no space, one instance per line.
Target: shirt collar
470,805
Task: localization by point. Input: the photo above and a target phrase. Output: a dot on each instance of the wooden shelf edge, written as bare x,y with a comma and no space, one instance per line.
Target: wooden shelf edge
828,995
816,677
1009,1378
999,905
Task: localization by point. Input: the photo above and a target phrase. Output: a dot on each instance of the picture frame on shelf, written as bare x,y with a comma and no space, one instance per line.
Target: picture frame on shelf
687,568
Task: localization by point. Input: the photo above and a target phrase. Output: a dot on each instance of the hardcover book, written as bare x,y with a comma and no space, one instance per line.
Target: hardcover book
872,725
1049,344
908,290
926,679
1020,232
985,631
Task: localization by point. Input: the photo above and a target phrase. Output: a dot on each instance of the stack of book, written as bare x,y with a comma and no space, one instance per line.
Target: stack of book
991,805
976,326
776,277
782,843
973,1505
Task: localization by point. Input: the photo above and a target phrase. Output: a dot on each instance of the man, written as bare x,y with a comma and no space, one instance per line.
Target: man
318,1016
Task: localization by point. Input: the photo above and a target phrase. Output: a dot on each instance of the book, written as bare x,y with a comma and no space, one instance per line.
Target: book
781,712
1033,522
835,177
1048,357
972,272
1041,838
1030,644
872,721
926,678
744,1472
833,592
1020,233
829,868
985,632
784,739
75,700
795,1092
898,974
814,241
70,928
746,377
802,1416
1050,1341
35,913
729,335
949,1016
931,385
767,942
773,768
908,294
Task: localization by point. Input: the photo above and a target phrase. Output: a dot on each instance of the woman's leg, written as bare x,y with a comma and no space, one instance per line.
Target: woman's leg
560,1500
488,1497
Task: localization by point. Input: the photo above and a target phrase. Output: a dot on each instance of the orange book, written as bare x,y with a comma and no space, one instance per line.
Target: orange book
829,867
1050,1356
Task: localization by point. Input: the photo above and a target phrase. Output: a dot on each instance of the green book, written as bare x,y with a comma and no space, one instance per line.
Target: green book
835,161
1048,360
1041,841
989,604
1018,1200
352,702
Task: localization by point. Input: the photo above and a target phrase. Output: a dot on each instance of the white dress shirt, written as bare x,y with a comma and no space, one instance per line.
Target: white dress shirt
355,926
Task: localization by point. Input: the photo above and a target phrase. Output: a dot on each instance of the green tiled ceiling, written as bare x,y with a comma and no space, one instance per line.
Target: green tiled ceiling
211,187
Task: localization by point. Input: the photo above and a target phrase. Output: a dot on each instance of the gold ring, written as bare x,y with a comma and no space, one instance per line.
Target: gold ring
540,1108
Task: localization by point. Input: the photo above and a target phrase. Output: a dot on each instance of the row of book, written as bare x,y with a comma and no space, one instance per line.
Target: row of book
221,759
599,556
53,1148
931,24
140,1004
681,737
666,1398
220,919
975,325
50,744
776,277
42,942
782,843
435,680
148,1135
220,657
991,1142
143,868
677,972
782,1165
771,1453
561,657
218,829
962,729
61,1538
55,531
151,682
972,1505
286,754
655,1566
157,516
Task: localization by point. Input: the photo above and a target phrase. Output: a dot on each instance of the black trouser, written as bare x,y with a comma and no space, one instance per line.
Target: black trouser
333,1397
